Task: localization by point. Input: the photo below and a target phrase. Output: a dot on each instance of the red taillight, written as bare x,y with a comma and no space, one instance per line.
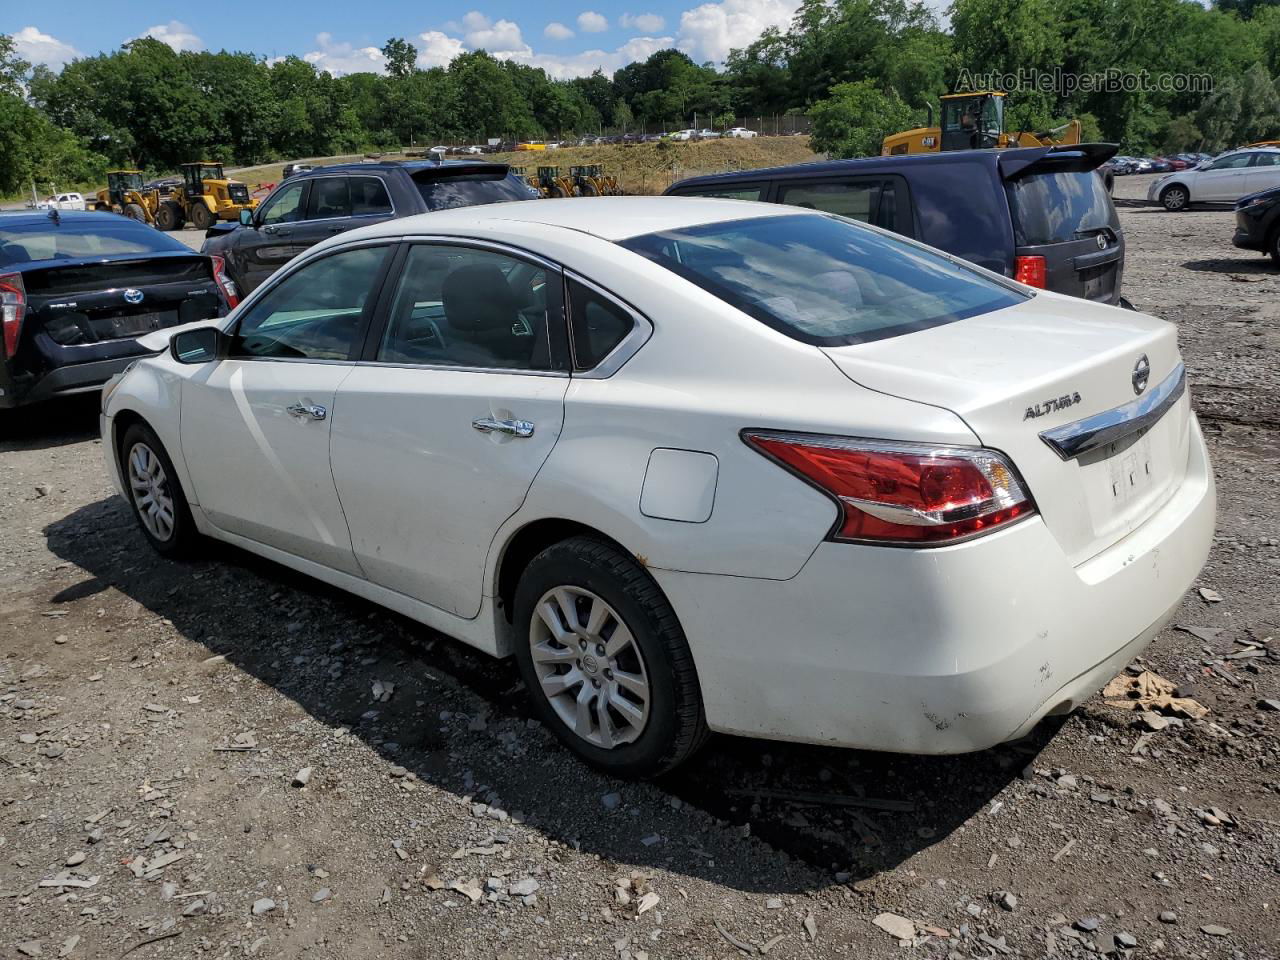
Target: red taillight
1030,270
228,285
13,307
903,493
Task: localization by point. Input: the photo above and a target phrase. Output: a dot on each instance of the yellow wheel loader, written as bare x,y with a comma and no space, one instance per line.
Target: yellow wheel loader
124,195
974,121
205,195
553,185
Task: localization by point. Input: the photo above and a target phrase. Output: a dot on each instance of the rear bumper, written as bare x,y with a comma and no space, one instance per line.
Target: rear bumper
73,378
1247,238
938,651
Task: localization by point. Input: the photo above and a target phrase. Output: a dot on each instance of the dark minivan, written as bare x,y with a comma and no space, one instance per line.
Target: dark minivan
1041,215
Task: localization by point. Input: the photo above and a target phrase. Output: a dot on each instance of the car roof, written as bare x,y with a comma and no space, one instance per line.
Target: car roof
410,166
68,216
610,218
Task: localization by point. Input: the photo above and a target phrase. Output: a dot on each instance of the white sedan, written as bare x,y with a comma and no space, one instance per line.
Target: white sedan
739,133
1224,179
699,465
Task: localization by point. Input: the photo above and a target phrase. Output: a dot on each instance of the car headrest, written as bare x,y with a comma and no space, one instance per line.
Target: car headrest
477,297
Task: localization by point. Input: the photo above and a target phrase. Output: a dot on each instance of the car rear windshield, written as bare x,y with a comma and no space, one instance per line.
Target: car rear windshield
100,236
1059,206
823,279
444,191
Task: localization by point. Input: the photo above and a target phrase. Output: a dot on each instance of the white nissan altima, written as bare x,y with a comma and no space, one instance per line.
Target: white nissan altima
699,465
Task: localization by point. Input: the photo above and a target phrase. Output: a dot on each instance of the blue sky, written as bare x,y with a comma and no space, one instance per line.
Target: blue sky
566,37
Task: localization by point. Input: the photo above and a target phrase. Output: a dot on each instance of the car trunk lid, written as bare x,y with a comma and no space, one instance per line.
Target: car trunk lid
1051,365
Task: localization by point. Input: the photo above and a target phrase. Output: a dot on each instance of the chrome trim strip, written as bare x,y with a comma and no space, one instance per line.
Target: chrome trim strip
1071,440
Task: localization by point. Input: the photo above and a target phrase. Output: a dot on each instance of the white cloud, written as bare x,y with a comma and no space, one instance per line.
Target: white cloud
342,58
582,64
40,48
591,22
175,33
644,22
557,31
436,49
495,36
710,31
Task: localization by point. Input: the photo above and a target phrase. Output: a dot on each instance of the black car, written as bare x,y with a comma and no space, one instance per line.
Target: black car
1258,223
312,206
1041,215
78,289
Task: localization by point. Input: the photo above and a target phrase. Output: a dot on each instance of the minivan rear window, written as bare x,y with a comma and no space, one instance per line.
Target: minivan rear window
823,279
444,191
1058,206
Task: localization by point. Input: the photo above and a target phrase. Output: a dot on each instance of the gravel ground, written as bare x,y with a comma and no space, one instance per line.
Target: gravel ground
227,759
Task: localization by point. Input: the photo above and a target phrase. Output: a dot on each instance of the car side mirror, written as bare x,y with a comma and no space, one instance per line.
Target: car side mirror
246,218
199,346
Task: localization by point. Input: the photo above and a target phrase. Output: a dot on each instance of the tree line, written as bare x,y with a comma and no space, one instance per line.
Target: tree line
859,68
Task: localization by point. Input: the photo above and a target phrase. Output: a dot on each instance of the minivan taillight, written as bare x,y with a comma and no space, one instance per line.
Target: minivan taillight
1031,271
227,285
13,307
903,493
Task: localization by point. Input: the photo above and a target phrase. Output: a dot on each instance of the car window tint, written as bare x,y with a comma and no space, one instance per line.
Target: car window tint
101,235
328,199
825,280
598,325
854,199
1060,206
315,312
284,206
458,306
1231,163
734,192
1266,160
446,190
368,196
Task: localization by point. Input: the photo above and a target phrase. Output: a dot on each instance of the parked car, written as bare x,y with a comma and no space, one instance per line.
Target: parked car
1258,223
314,205
682,135
706,134
293,169
62,201
481,427
1160,165
78,289
739,133
1223,180
1041,215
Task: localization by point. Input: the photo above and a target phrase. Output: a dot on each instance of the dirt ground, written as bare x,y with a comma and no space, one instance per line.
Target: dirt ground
159,721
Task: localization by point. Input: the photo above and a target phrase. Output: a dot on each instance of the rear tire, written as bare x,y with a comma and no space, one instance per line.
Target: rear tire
169,216
135,212
1275,246
557,192
618,684
154,493
590,190
201,217
1175,198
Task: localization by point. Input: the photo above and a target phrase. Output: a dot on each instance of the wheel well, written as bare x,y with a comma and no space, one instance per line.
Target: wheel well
122,422
530,541
1169,186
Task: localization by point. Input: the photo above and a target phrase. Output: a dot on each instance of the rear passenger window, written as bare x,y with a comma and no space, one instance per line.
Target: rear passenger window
328,199
855,200
598,325
368,197
735,192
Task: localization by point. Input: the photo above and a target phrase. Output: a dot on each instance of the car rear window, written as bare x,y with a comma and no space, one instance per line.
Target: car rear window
1058,206
104,236
825,280
444,191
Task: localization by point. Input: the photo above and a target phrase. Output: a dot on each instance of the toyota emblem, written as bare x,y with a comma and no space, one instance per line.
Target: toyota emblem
133,295
1141,374
1102,241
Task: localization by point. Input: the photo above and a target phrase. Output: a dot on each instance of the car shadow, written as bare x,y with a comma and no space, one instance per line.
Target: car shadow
53,423
846,814
1245,263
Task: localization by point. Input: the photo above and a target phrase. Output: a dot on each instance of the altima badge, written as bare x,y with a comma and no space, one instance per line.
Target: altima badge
133,295
1051,405
1141,374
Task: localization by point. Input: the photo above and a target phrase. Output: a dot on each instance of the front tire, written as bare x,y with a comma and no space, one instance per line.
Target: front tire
159,505
1275,246
135,212
605,660
201,218
1175,198
169,216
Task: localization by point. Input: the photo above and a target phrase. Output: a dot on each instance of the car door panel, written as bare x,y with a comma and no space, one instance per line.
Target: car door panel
269,244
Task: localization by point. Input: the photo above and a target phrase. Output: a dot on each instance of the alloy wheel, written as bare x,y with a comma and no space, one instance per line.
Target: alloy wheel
589,667
149,485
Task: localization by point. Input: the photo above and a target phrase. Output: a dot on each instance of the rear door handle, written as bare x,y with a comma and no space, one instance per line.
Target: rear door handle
512,428
304,410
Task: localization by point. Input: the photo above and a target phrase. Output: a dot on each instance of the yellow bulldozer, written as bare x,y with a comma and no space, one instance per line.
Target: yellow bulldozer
125,195
205,195
974,121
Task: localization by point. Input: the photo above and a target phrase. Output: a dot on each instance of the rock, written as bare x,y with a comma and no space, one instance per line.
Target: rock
76,859
1068,782
302,777
265,905
773,903
42,490
195,908
1005,899
647,902
60,639
69,945
1126,941
1153,721
1213,930
31,948
1209,595
611,801
1162,807
27,738
324,893
1168,916
811,927
974,909
900,928
523,888
1087,924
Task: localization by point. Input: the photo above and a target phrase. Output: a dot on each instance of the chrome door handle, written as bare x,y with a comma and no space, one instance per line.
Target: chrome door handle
304,410
513,428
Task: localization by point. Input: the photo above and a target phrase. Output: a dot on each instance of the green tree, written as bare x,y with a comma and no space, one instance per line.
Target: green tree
401,57
854,120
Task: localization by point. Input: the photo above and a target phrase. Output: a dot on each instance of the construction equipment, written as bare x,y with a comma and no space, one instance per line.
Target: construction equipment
591,181
205,195
974,121
126,196
551,184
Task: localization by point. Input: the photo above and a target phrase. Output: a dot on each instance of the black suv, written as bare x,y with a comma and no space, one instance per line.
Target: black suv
1041,215
1258,223
314,205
